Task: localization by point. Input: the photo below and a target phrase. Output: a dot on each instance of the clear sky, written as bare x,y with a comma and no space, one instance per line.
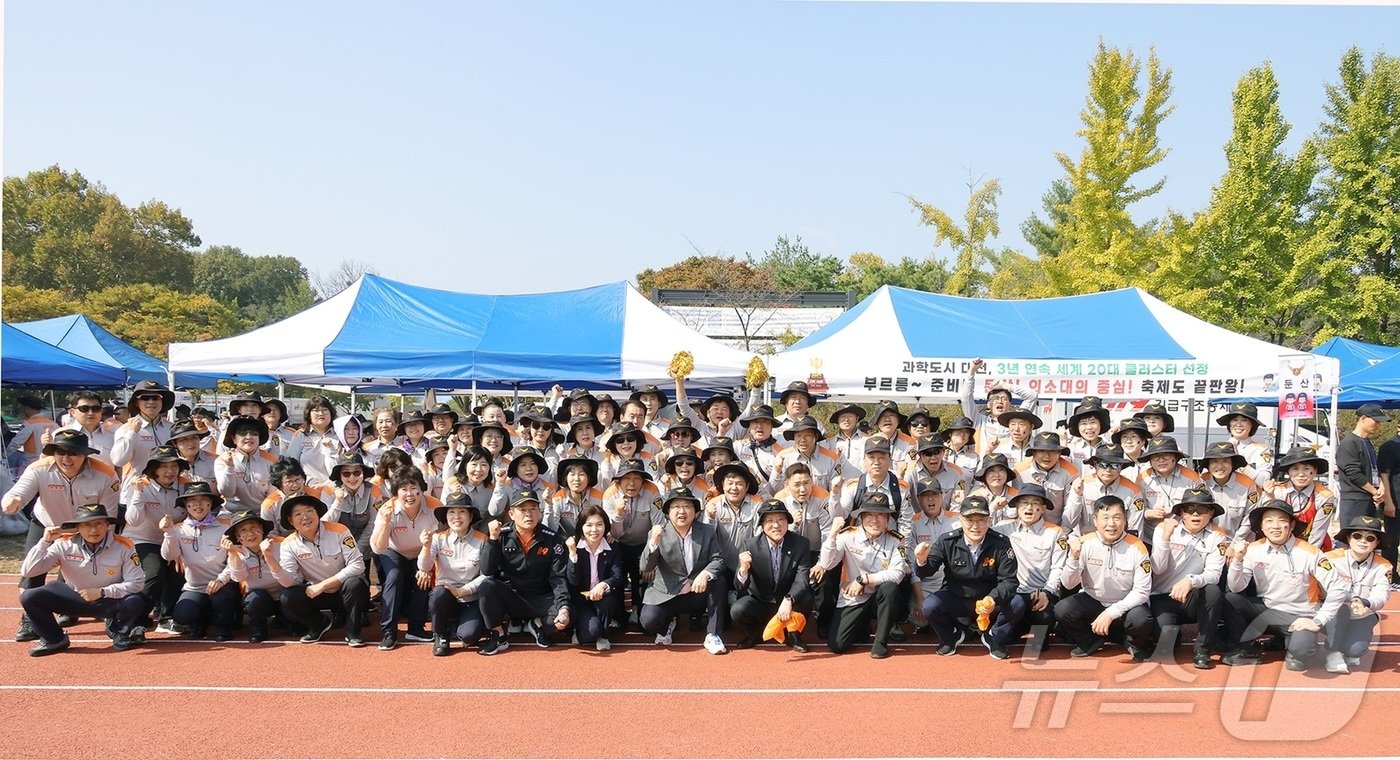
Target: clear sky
519,146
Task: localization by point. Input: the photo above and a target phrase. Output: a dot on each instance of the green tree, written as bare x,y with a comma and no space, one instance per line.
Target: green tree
64,233
1103,247
970,240
263,288
1359,209
1248,262
793,267
867,272
1047,236
21,304
151,316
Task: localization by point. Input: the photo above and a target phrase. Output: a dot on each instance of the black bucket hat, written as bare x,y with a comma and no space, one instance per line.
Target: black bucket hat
606,399
1242,409
347,459
506,444
681,424
523,453
1299,455
162,454
1160,409
244,422
1132,424
921,411
590,469
805,422
71,441
202,488
1031,489
1222,450
414,416
888,406
1162,444
796,388
648,388
583,420
1256,515
1090,406
847,408
1047,441
679,493
760,412
1199,495
250,397
441,410
630,466
88,513
621,430
1017,413
673,454
1109,453
284,513
721,398
735,468
773,507
184,428
167,396
238,518
456,500
987,463
719,443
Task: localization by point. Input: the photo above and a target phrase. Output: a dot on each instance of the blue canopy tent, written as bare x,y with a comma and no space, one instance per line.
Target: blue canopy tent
1355,355
80,335
26,361
383,335
1379,382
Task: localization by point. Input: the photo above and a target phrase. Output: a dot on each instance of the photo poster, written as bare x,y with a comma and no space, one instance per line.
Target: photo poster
1298,383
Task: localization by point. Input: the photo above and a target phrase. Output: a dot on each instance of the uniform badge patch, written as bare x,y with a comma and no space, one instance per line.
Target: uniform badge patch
348,542
1140,505
1146,566
136,560
1223,547
1253,497
1063,543
1324,563
1327,509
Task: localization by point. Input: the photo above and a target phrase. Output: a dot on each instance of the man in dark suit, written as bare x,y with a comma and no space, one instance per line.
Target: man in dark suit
689,575
978,564
772,578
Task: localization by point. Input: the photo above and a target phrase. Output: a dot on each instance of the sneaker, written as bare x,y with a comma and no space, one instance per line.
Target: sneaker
1241,657
1294,664
897,634
998,651
441,646
879,651
45,649
1087,650
1336,663
714,644
419,635
947,648
166,626
1352,662
314,635
137,634
122,642
664,639
26,630
515,626
1139,654
603,645
495,643
67,621
354,641
390,640
537,628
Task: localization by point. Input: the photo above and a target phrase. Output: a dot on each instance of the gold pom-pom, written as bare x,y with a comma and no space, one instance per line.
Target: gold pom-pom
757,373
682,364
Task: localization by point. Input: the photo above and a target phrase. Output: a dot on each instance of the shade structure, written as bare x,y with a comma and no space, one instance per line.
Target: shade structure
1118,344
1355,355
26,361
1379,382
380,334
80,335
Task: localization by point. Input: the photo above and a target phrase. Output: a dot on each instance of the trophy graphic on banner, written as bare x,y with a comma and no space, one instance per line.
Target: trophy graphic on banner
816,381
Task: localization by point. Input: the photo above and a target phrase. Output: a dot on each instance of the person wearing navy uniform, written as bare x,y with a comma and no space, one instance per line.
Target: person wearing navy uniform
772,577
978,565
526,568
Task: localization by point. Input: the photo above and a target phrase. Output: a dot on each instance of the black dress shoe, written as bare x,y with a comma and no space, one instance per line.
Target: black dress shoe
748,642
1202,661
441,646
879,651
794,640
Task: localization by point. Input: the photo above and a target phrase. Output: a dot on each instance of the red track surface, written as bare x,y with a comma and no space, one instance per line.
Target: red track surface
182,699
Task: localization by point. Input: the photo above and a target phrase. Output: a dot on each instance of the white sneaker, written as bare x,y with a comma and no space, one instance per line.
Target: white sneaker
604,645
714,644
664,639
1336,663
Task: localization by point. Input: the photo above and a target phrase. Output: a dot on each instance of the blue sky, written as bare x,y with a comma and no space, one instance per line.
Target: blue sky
521,146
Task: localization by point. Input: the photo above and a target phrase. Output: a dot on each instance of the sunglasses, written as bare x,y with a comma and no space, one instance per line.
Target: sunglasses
89,408
1367,537
919,423
1108,466
149,397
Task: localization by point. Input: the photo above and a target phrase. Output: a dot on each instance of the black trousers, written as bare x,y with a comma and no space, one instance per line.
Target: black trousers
44,603
198,609
498,600
352,599
852,624
751,614
591,618
632,566
401,595
452,616
163,582
259,604
1246,619
656,618
1076,614
1204,606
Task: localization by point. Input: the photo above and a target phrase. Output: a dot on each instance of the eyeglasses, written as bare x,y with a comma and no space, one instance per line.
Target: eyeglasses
1367,537
89,408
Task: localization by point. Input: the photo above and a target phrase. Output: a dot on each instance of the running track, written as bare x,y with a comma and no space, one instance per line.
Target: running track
174,698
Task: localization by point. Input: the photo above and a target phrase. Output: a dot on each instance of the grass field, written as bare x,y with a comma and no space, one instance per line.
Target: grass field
11,553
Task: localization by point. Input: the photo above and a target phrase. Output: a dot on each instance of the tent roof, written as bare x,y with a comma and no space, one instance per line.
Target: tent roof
379,333
80,335
28,361
1107,343
1355,355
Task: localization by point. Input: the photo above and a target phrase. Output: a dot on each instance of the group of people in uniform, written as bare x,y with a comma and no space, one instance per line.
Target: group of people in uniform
577,519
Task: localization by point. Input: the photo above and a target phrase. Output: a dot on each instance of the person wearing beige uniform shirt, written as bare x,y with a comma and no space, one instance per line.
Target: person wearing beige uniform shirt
1113,573
1188,556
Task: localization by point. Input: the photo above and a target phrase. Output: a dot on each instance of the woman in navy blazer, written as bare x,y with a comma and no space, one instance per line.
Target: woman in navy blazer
595,577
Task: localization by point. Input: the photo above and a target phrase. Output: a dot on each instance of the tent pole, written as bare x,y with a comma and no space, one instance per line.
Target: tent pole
1332,436
281,390
352,399
474,401
1190,424
1206,443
